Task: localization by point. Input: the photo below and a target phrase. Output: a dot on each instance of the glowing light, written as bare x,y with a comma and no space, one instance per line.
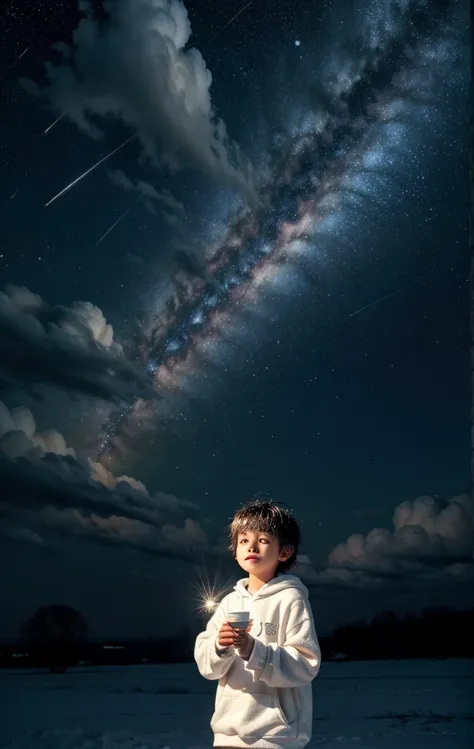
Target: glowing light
210,592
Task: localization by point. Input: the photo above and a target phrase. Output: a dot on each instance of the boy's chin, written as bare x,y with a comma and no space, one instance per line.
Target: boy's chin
256,568
251,567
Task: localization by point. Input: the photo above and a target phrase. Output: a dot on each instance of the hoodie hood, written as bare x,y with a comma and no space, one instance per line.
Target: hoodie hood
278,584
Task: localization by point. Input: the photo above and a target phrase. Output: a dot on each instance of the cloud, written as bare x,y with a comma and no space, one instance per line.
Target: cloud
190,535
173,207
136,66
18,436
427,532
52,493
23,535
431,544
72,348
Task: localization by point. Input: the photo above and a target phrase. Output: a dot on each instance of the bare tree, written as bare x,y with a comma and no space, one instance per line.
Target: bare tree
54,634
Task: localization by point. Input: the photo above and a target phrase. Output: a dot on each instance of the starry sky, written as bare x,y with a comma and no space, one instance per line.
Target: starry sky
233,259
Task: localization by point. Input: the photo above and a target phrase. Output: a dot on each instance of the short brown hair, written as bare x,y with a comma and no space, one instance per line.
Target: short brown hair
267,517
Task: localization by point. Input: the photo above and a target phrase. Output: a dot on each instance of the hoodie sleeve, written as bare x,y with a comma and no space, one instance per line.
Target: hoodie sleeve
211,663
297,661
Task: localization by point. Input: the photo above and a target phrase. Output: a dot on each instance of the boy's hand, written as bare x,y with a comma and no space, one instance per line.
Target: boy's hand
226,636
229,637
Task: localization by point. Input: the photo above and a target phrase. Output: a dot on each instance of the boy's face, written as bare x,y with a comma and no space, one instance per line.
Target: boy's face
259,553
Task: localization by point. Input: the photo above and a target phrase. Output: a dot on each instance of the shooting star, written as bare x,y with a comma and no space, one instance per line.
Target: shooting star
421,279
53,123
24,52
13,195
91,169
377,301
12,64
115,224
231,21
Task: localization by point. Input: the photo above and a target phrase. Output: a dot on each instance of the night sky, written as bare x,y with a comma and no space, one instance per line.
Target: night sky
261,287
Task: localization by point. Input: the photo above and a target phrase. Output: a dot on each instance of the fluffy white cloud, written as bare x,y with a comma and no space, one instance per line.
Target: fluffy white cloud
426,531
18,436
136,66
431,544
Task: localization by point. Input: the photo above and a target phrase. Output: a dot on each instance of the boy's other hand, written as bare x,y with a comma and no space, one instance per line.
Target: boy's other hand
244,645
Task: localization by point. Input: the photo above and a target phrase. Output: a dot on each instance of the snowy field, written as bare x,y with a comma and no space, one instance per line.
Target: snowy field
391,705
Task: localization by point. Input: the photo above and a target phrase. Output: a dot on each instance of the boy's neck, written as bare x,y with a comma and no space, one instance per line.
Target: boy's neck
255,583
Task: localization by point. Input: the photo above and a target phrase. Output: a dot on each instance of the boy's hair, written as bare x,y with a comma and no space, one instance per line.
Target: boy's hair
267,516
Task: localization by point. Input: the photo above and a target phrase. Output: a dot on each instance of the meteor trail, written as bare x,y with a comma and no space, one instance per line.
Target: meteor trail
231,21
114,224
53,124
23,53
91,169
397,291
377,301
13,195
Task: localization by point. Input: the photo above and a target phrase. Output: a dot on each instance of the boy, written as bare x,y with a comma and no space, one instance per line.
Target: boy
264,698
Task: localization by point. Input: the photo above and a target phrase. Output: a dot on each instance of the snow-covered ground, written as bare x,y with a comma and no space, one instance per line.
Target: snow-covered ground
391,705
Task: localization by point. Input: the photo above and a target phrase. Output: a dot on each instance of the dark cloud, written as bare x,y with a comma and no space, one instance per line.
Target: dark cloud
49,492
173,208
69,347
188,262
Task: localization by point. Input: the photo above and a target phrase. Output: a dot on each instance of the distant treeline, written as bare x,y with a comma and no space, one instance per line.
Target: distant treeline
431,633
59,657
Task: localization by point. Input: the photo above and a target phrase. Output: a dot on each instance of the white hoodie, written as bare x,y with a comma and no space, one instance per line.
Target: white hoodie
266,701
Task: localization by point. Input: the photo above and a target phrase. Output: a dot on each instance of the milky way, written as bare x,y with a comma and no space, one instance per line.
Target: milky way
353,133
